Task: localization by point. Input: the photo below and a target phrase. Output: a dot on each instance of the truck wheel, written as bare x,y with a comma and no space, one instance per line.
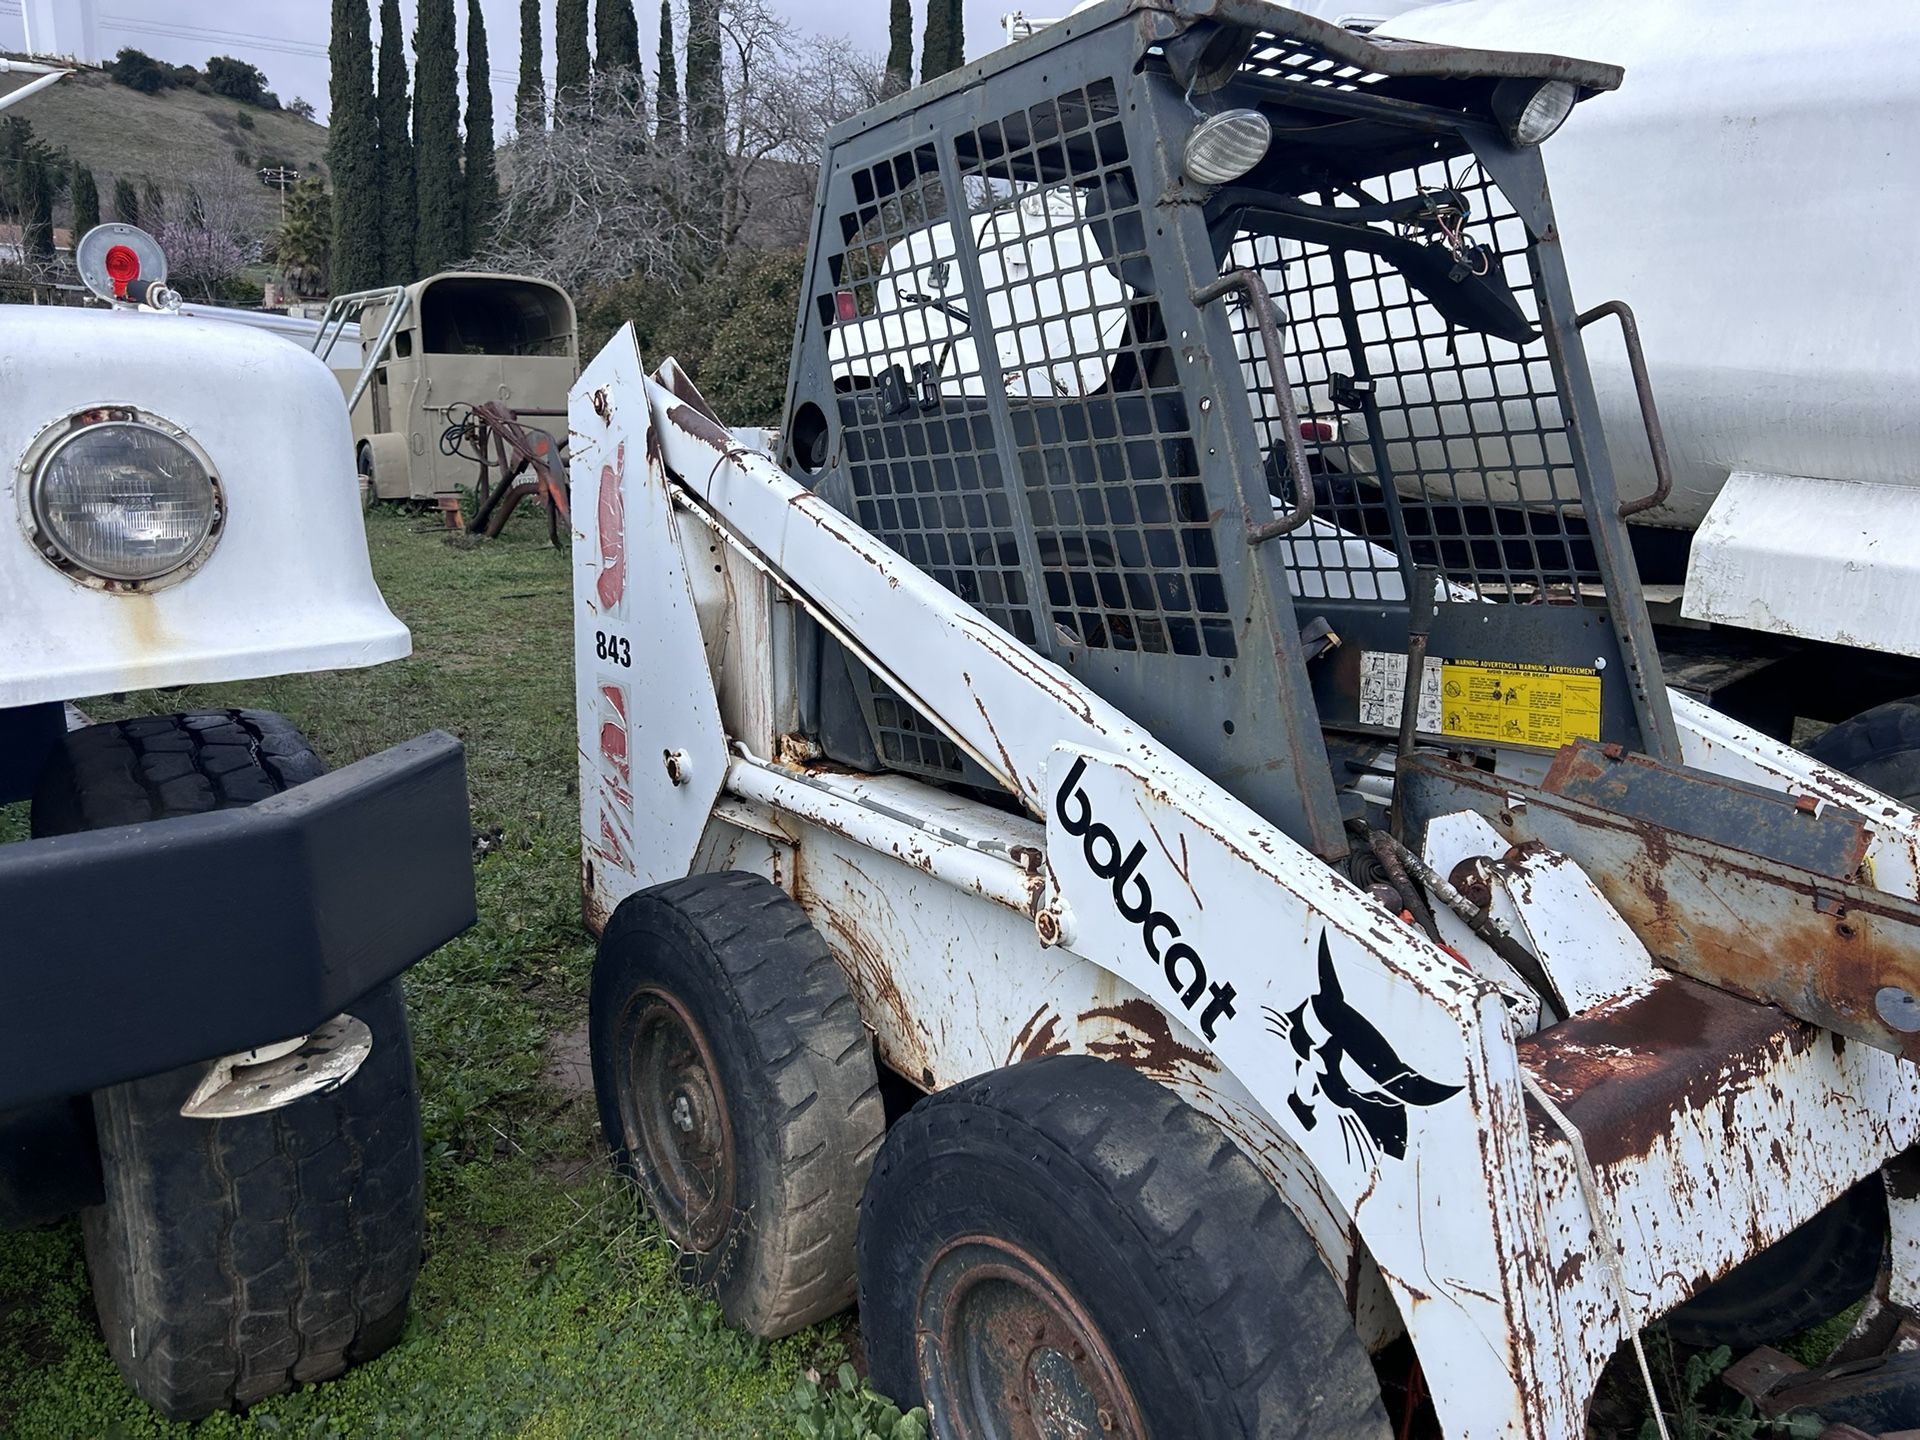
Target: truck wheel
737,1088
234,1259
1067,1248
1809,1275
1878,747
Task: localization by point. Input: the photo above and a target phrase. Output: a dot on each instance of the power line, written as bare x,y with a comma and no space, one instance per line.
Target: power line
178,31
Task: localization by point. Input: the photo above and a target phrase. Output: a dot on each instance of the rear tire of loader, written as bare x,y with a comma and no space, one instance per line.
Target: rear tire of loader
1066,1247
737,1089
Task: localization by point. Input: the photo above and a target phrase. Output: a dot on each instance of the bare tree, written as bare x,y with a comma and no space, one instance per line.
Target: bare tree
206,227
783,93
594,200
601,201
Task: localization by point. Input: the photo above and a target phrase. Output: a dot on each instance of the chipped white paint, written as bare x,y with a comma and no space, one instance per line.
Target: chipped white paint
1145,915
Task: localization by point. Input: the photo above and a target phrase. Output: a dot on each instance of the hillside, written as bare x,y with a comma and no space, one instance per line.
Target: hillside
171,138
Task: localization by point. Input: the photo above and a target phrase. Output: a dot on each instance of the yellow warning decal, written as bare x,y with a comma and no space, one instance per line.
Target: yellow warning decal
1547,705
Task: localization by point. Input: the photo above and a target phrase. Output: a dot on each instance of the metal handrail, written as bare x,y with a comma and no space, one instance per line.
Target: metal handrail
1261,300
342,307
1649,411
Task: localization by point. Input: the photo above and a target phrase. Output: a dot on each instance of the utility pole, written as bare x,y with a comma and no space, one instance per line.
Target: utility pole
281,178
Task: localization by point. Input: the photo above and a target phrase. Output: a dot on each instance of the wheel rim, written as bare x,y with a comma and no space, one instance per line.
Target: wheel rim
675,1115
1007,1353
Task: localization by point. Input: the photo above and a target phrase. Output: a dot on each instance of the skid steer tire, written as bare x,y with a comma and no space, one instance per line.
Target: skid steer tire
737,1089
1066,1247
235,1259
1878,747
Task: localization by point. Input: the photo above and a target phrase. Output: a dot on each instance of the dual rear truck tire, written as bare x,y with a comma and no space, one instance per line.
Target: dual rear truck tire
234,1259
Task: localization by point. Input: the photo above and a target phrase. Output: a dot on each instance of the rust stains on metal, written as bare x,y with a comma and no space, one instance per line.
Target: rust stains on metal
1039,1036
1473,878
1623,1071
700,426
1142,1038
1028,857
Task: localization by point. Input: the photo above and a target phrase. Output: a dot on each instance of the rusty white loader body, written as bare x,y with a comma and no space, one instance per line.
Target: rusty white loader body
1040,794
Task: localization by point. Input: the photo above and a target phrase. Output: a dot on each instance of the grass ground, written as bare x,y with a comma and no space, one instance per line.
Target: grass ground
545,1307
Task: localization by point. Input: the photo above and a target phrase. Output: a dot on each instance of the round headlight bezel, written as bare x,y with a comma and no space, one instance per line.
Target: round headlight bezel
46,447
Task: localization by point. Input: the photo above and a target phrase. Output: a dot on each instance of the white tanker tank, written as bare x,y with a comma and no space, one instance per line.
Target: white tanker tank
1751,191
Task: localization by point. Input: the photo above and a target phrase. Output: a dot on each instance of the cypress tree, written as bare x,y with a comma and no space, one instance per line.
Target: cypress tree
481,185
530,100
617,34
956,34
706,97
900,46
36,211
86,202
353,156
936,41
570,62
666,86
439,238
126,202
398,217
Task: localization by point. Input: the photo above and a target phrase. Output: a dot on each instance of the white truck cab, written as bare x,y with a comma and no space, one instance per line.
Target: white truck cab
200,1014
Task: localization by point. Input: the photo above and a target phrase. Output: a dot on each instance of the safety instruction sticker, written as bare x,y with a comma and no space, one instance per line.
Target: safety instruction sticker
1547,705
1494,700
1383,686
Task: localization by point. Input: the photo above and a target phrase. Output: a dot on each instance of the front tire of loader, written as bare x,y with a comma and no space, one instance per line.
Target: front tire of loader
1066,1247
737,1089
235,1259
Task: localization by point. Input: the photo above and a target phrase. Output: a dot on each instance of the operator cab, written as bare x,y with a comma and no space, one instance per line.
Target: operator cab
1208,371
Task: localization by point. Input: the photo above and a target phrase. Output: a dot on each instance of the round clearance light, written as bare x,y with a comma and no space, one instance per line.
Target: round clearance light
116,261
1226,146
123,500
1529,111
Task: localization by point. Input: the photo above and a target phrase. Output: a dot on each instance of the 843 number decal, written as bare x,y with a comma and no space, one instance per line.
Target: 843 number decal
613,648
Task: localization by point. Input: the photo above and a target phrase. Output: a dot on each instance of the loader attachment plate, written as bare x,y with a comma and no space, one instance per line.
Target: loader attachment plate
1824,947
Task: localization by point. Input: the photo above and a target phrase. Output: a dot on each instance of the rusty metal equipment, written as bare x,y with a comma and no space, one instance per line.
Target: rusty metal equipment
1190,623
517,461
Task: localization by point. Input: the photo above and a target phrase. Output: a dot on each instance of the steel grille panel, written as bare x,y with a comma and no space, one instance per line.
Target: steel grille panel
919,441
1467,428
1107,459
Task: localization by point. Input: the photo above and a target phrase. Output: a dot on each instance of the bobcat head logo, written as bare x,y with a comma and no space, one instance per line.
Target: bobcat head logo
1342,1061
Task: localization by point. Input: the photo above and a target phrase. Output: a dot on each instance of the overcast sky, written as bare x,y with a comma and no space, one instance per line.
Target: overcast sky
288,38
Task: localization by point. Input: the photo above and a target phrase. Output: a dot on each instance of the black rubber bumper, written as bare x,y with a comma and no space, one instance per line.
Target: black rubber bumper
130,951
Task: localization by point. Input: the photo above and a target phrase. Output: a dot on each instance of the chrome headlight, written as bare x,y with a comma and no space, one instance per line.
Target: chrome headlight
120,496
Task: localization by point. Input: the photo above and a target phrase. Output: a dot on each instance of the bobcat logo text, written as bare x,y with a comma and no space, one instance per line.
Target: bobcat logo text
1185,971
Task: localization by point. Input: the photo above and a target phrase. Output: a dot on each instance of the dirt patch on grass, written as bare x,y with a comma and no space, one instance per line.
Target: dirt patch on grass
568,1066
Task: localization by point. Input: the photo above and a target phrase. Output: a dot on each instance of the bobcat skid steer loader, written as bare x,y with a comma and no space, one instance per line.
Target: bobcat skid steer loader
1156,934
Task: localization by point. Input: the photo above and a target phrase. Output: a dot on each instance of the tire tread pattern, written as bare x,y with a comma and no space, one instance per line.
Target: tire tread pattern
815,1059
235,1259
1250,1305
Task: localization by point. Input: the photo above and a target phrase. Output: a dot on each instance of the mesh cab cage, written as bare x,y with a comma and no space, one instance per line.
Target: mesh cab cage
1158,429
